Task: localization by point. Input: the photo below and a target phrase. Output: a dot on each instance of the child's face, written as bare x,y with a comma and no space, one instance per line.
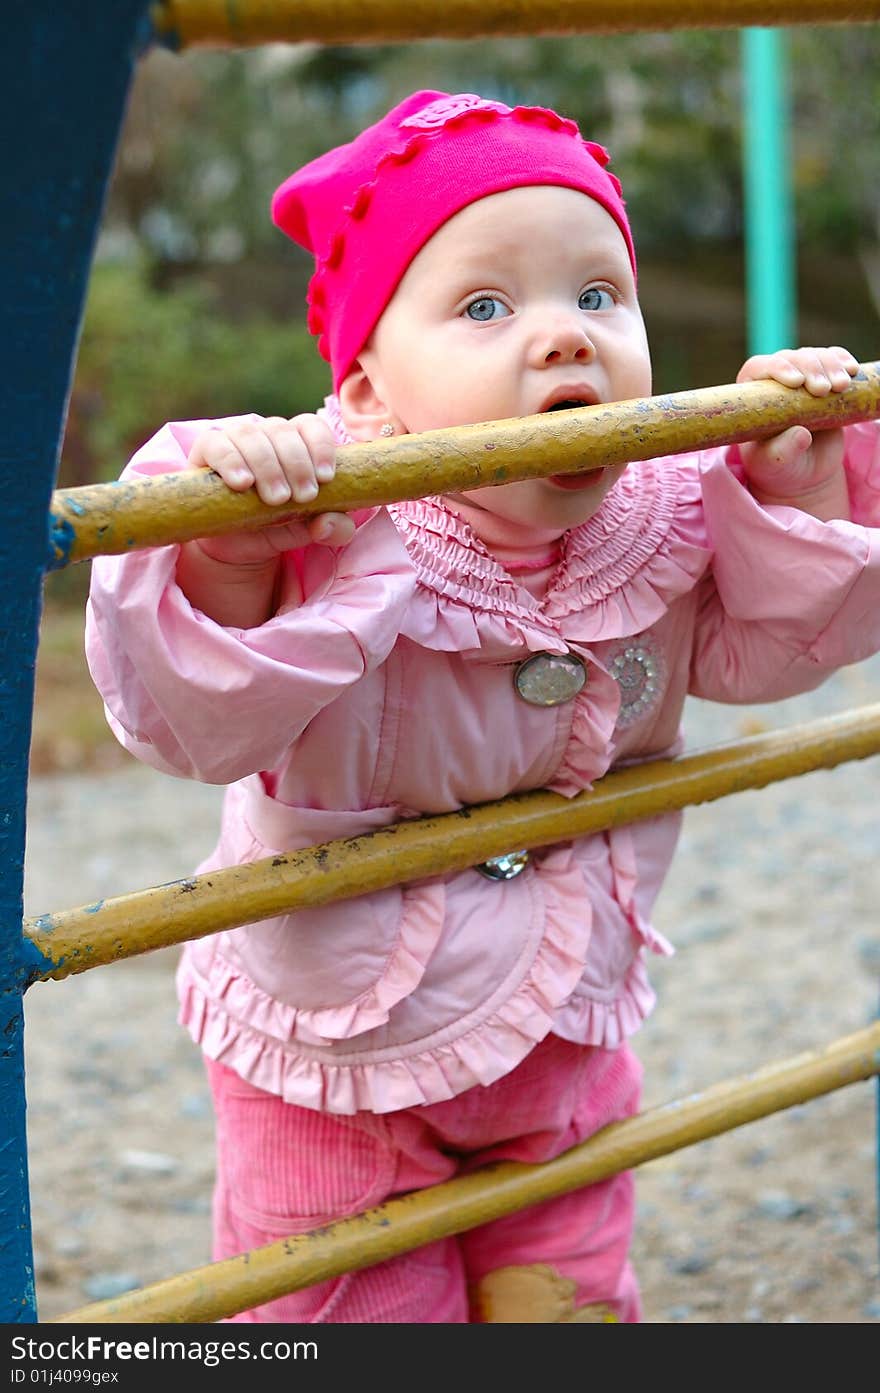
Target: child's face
522,300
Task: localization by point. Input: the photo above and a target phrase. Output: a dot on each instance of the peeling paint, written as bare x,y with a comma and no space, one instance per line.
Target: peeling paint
32,964
175,507
62,538
180,24
141,921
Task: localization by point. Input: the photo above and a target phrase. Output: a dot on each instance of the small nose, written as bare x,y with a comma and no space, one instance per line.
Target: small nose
563,339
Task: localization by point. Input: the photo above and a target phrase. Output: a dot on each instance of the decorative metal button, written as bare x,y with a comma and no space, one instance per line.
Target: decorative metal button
549,679
637,671
506,867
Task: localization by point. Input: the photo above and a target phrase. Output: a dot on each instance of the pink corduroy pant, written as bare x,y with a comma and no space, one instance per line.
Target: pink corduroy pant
283,1169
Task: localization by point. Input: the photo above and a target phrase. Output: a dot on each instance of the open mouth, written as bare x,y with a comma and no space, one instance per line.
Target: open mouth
573,483
571,405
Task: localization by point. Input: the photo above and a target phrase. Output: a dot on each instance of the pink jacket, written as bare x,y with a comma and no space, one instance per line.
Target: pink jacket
389,693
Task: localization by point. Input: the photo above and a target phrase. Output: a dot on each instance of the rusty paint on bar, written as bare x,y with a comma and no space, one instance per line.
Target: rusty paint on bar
109,519
142,921
222,1289
250,22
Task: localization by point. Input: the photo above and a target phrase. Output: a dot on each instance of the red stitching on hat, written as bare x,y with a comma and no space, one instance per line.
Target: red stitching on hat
599,153
360,202
542,115
412,149
334,255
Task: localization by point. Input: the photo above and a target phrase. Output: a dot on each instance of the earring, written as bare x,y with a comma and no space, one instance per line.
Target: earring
386,430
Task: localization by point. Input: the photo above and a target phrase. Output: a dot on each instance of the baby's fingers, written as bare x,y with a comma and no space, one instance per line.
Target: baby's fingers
840,365
823,370
283,460
306,454
319,443
778,463
215,449
819,370
278,460
331,529
244,456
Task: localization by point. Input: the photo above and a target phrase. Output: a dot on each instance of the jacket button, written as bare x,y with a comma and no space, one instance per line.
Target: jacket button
506,867
549,679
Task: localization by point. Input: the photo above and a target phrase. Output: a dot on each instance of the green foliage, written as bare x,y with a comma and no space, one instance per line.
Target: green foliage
149,356
210,135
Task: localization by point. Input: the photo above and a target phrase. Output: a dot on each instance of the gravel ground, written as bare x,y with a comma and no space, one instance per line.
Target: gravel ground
773,906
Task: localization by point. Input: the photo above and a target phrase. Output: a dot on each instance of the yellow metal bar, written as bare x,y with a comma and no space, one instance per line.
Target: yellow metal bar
248,22
78,939
224,1288
107,519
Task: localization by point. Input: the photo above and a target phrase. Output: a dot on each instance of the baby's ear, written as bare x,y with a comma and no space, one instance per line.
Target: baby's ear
362,404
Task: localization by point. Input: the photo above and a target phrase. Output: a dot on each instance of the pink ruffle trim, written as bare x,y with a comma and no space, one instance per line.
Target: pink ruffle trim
619,572
644,548
421,924
594,714
480,1056
586,1021
480,1048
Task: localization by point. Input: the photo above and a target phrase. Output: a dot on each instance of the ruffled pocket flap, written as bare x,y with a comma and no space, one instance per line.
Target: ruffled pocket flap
335,971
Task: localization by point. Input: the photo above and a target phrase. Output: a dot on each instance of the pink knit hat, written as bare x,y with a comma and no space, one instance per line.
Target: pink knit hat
365,209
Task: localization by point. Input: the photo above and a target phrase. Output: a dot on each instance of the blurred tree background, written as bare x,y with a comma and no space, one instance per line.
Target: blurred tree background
196,306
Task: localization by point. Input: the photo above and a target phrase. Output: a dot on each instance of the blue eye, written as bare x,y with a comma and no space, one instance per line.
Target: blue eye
486,308
595,298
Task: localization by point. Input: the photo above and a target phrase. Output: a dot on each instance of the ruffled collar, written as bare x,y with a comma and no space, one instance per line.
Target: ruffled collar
617,572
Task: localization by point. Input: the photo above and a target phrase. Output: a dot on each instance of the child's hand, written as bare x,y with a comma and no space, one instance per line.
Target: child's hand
796,467
282,460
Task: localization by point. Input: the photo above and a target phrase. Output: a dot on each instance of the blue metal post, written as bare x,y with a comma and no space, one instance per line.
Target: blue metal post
769,237
65,71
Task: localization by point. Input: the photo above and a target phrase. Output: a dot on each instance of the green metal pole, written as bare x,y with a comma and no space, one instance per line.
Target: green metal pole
769,238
